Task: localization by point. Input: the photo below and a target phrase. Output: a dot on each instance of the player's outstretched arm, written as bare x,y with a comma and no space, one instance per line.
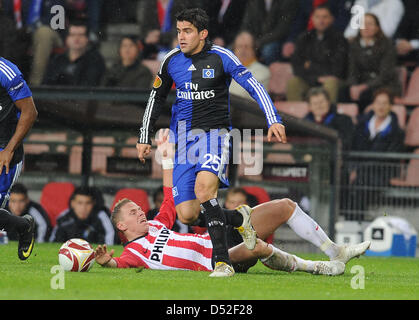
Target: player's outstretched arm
105,258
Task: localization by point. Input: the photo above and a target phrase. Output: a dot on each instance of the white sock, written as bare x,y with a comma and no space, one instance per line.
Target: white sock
304,265
284,261
309,230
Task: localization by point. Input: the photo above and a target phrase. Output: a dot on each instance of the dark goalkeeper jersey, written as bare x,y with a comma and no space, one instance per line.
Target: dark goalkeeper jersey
202,91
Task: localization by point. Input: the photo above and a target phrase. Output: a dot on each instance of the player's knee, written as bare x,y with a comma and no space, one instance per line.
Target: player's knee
187,215
204,191
285,207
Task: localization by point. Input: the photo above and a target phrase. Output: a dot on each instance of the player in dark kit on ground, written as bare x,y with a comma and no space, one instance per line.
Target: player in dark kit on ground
17,115
202,73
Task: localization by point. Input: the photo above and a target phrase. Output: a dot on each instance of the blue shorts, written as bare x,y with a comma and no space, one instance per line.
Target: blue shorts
209,151
7,181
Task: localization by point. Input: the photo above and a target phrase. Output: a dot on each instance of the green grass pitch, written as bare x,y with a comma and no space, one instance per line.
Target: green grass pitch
385,278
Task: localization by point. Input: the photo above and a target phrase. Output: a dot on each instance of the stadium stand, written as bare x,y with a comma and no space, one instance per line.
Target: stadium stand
412,129
298,109
350,109
410,178
55,197
281,72
411,97
139,196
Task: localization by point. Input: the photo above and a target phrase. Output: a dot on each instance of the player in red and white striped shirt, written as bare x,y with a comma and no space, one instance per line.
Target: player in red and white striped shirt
151,244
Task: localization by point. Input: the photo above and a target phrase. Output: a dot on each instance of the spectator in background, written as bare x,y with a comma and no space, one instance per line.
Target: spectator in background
158,197
372,65
83,219
80,65
341,10
378,131
238,196
33,24
388,12
244,49
270,23
320,58
157,21
323,112
225,19
407,35
129,71
89,10
8,39
20,204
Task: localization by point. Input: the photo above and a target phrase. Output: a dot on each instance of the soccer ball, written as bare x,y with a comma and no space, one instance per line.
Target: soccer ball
76,255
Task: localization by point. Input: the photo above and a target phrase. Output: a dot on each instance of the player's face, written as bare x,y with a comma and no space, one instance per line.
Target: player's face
82,206
382,106
234,200
319,105
133,219
18,203
190,40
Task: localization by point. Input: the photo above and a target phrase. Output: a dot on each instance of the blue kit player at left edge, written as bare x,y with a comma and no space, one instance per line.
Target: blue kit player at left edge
17,115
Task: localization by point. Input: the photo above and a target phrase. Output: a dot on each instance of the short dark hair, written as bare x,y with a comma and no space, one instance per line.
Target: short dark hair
83,191
197,16
386,91
325,7
79,23
19,188
316,91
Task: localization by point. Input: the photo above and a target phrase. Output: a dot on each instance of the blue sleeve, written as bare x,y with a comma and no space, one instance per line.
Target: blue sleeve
12,80
243,76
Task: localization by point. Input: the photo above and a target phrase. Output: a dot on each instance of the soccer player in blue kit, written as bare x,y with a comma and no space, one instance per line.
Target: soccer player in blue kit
17,115
202,73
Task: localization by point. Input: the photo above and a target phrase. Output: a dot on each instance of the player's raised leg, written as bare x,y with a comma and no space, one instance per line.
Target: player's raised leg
278,212
277,259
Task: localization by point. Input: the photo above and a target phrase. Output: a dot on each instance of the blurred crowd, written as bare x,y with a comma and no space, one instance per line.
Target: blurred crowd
340,51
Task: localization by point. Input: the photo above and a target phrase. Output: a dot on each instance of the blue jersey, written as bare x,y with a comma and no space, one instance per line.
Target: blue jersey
202,91
12,88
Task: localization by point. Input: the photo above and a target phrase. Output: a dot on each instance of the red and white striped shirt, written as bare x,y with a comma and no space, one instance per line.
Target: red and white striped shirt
164,249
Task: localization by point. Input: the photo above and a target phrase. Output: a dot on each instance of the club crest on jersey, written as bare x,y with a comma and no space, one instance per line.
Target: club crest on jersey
207,73
157,82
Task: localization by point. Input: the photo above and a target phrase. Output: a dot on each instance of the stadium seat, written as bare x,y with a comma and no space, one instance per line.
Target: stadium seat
411,98
99,155
411,178
261,194
401,114
402,73
412,129
55,197
298,109
280,74
349,109
31,148
139,196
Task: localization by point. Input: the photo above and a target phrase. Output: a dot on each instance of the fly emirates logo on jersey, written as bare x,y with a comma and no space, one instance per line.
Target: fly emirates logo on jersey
193,92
